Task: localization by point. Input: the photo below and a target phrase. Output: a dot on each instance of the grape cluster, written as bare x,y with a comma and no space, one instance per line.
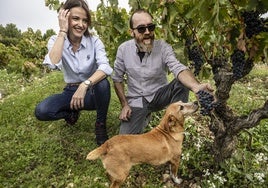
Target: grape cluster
206,101
195,55
254,24
238,62
188,42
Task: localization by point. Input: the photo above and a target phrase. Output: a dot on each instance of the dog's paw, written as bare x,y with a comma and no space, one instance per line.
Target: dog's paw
176,180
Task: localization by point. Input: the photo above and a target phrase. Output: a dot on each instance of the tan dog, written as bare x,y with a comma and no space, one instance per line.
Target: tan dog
161,145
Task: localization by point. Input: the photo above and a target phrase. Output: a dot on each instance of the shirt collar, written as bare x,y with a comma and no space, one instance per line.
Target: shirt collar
83,42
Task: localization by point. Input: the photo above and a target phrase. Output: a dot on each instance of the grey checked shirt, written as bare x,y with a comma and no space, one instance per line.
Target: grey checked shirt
146,77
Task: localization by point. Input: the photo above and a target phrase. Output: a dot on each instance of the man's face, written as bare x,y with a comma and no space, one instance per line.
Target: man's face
143,31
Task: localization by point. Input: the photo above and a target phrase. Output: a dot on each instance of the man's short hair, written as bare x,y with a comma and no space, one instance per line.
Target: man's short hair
137,11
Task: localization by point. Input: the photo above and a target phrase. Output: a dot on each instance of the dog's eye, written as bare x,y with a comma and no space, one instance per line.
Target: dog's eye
181,108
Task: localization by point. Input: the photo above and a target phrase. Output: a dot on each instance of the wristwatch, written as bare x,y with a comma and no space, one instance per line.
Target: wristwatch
87,82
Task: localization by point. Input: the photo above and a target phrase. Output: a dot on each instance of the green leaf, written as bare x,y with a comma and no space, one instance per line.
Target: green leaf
249,177
113,2
173,12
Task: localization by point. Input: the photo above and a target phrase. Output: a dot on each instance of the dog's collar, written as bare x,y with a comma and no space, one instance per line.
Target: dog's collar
166,133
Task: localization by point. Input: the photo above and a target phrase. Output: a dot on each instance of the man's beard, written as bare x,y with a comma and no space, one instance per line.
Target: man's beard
144,45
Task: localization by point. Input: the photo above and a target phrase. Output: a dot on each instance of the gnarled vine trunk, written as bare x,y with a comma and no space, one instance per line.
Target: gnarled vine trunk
224,124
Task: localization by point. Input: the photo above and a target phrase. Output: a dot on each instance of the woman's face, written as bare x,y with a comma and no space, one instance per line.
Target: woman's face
78,22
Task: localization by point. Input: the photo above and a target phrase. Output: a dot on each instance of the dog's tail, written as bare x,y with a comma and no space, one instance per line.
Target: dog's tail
96,153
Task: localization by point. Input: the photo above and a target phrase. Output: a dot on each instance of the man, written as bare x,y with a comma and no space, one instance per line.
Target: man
145,61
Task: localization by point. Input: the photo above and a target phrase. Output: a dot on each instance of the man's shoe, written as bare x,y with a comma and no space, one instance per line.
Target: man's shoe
73,117
101,134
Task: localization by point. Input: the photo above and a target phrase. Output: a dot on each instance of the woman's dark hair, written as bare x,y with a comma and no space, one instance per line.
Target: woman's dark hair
79,3
137,11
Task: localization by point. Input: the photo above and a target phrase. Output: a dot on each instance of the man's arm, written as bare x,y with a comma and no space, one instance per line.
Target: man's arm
120,92
126,110
187,78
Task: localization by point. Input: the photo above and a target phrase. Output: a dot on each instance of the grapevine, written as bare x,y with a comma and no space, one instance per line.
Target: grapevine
217,63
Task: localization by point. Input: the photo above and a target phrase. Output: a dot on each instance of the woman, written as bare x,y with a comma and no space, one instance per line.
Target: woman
85,66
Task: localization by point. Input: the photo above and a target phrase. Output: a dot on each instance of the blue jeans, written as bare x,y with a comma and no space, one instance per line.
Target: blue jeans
57,106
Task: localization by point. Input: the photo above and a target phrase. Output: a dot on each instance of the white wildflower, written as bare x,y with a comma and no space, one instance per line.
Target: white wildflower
211,184
70,185
260,157
259,177
187,134
198,144
185,157
219,178
207,173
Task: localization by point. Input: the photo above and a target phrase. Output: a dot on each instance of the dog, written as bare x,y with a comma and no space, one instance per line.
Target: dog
160,145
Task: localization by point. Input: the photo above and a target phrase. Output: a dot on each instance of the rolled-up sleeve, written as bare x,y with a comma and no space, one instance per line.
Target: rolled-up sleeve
47,61
101,57
171,61
119,66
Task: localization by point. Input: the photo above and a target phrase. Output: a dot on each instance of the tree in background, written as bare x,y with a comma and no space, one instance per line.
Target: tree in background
10,35
23,52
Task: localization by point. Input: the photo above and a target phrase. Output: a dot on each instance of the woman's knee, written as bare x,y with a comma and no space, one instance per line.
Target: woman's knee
103,89
41,112
38,112
103,85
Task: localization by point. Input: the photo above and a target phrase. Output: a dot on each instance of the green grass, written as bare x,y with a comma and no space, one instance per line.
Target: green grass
51,154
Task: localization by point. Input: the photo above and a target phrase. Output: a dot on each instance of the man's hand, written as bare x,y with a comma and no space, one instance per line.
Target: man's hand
125,113
203,87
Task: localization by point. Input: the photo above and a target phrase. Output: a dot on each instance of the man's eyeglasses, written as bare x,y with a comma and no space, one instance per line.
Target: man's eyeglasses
142,28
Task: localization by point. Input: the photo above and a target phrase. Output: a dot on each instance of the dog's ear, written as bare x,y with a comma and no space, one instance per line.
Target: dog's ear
170,122
175,127
165,123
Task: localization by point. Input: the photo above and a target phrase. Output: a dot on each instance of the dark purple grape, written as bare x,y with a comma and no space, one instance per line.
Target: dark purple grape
254,23
195,55
238,62
206,101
